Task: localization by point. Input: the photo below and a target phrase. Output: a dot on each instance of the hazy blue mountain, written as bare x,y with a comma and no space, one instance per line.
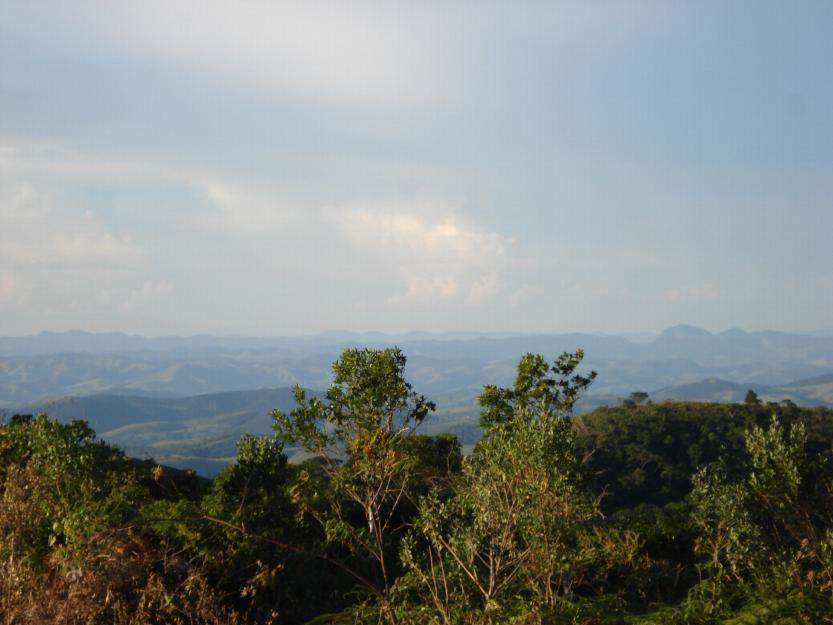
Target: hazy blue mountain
454,365
733,346
79,342
106,412
808,392
682,341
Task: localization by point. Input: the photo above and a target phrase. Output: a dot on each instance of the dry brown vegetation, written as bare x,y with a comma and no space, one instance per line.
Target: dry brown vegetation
120,579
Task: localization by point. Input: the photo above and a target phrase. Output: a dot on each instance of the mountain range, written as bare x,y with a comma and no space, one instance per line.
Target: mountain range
50,365
186,400
201,432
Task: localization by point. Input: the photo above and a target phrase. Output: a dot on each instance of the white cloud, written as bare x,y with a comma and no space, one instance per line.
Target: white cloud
442,258
31,169
427,287
411,232
364,52
485,287
392,256
521,295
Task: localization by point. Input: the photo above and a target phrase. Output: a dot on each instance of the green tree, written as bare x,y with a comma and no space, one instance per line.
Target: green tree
73,485
360,437
541,390
251,494
507,542
74,544
766,531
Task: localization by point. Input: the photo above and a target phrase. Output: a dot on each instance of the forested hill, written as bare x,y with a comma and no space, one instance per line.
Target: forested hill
646,454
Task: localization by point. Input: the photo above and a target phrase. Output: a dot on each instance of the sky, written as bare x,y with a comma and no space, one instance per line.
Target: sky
265,168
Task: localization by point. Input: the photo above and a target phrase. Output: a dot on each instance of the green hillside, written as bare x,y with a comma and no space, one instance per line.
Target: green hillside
816,391
646,454
199,432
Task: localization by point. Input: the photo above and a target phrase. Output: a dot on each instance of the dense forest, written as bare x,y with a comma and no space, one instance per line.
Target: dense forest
671,512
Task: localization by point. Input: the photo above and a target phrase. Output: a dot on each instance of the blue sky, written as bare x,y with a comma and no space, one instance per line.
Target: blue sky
285,168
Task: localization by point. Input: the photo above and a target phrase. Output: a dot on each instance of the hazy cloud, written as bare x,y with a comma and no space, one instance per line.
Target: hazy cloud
53,252
411,232
246,211
269,164
146,294
354,52
36,230
6,284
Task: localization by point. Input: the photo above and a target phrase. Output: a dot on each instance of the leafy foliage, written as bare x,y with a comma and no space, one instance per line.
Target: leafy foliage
361,433
73,548
515,539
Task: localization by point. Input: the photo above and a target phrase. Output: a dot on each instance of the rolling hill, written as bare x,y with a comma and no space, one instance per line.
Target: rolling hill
817,391
199,432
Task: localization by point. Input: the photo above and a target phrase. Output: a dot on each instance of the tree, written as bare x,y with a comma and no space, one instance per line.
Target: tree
251,492
541,390
359,436
766,531
751,398
76,485
506,542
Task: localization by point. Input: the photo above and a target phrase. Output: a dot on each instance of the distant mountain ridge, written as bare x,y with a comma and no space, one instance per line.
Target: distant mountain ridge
682,340
82,342
50,365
